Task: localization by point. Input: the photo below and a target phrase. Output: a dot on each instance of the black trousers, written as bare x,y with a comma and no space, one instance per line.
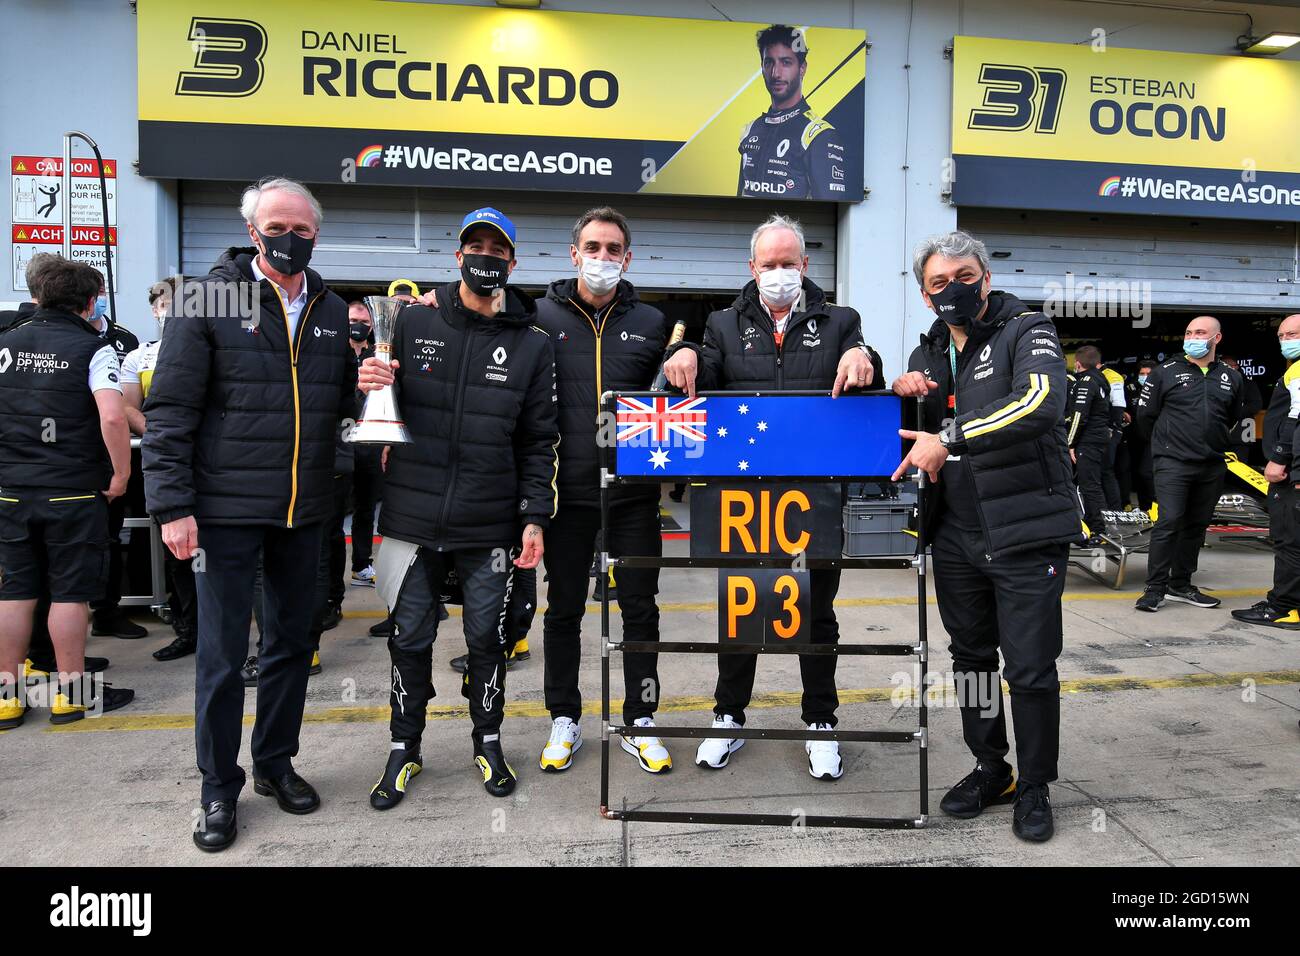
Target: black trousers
820,698
1143,481
368,491
1284,526
1011,604
1186,493
1110,474
225,589
113,591
633,530
487,576
1090,463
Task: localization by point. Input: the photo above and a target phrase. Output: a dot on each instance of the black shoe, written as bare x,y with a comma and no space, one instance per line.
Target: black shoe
92,665
117,624
315,667
333,614
216,826
498,777
65,711
181,647
1191,595
291,792
383,629
249,672
1150,600
982,787
595,592
677,495
403,764
1094,542
1031,818
1270,615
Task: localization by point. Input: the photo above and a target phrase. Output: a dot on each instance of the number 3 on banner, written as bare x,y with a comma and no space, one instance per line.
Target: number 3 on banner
790,605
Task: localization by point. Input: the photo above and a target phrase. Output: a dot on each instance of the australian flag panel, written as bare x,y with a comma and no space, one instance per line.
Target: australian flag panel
739,435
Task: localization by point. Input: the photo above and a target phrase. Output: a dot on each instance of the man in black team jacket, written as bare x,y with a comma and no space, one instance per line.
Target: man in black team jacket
993,381
476,383
1089,425
779,334
1281,606
252,380
1188,407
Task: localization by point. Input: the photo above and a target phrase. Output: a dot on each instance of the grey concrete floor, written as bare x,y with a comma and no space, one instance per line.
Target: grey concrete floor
1179,735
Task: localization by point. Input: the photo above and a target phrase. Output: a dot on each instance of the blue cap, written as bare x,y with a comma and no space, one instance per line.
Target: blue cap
487,216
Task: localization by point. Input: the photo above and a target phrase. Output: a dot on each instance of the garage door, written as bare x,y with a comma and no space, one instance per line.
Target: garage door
1212,264
375,234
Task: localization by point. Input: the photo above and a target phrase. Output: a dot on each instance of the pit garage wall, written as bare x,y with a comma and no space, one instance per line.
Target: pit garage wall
907,116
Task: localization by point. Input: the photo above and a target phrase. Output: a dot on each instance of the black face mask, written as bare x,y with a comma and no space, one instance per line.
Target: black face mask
959,302
358,331
484,274
287,254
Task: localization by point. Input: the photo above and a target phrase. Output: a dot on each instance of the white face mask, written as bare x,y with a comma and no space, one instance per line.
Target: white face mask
780,287
600,275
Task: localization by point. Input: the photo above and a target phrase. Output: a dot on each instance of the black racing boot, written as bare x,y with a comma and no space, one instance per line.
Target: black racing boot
983,787
404,762
1031,817
498,777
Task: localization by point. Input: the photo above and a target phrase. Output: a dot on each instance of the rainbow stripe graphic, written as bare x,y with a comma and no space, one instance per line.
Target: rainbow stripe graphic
370,156
1109,186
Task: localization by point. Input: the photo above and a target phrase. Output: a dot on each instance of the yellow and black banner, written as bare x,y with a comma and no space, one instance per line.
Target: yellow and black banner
1100,128
429,94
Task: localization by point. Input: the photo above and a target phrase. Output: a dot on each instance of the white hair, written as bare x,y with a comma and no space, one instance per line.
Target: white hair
950,245
776,221
253,196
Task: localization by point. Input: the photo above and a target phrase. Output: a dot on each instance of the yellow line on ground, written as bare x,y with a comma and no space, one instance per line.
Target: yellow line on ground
678,705
701,606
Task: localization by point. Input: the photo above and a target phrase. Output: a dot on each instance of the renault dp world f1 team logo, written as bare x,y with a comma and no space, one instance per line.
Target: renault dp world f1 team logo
370,156
1109,186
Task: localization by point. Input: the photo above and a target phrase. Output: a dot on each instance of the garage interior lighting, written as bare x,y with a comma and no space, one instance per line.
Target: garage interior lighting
1271,45
519,3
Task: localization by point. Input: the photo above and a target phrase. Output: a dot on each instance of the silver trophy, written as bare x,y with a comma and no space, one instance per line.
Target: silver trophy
381,423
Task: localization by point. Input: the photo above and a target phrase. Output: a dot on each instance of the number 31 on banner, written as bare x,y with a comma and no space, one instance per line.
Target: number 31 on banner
758,607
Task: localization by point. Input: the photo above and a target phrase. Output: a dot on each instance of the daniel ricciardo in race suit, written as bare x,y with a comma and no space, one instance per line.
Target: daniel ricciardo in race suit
789,150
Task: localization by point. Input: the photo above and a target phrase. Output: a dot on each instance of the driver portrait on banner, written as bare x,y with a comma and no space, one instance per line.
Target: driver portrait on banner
789,151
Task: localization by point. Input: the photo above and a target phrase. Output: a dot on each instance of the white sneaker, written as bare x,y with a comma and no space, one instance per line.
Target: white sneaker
365,578
824,761
649,751
714,752
565,740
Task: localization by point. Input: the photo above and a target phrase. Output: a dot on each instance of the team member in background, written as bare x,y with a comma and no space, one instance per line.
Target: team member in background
1089,435
1139,445
992,378
243,412
789,150
1112,485
605,339
762,343
1188,407
64,448
137,374
1281,606
41,658
477,381
368,471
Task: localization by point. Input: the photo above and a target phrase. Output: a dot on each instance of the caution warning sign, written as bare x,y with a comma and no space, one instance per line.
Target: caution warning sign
36,190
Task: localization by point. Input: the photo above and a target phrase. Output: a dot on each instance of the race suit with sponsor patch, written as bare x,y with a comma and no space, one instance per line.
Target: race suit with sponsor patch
792,153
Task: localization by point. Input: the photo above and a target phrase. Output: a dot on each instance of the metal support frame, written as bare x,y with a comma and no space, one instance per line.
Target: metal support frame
157,564
920,736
